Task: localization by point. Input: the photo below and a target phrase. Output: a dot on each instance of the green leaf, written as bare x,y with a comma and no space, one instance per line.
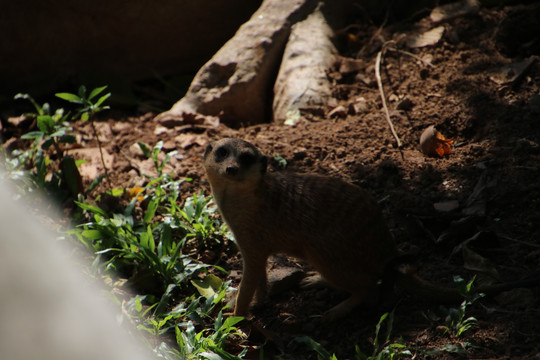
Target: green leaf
147,239
71,175
94,184
208,287
165,240
164,301
45,123
82,92
144,149
150,211
313,345
85,116
32,135
70,97
91,208
92,234
102,99
231,321
138,304
96,92
47,143
67,139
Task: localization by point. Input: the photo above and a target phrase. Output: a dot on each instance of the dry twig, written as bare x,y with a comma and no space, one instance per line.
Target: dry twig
403,52
383,98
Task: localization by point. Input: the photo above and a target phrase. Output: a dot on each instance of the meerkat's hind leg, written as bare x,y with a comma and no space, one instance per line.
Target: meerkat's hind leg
363,294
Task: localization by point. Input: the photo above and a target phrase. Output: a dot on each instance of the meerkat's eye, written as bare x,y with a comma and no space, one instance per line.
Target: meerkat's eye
221,153
246,159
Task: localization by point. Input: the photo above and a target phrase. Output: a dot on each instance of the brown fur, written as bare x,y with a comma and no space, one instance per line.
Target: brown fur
335,226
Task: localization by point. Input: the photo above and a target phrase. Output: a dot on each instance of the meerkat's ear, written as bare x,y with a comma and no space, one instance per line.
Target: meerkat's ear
208,151
264,164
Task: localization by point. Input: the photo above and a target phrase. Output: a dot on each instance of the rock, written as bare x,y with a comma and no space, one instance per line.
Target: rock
160,130
20,121
281,279
185,141
104,131
93,166
359,106
135,150
446,206
169,145
121,127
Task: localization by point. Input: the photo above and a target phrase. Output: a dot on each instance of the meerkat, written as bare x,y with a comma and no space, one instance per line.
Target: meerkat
336,227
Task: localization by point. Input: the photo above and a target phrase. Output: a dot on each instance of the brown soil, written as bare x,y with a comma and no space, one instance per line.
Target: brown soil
492,172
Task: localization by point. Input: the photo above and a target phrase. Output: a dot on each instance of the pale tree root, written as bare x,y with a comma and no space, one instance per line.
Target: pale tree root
289,40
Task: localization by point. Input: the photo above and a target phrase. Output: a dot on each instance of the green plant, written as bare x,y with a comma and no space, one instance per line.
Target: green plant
383,349
197,217
208,343
154,155
37,163
88,108
183,319
150,238
200,221
282,163
456,322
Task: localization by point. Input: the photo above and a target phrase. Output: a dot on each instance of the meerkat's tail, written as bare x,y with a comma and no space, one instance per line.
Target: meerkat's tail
401,273
424,289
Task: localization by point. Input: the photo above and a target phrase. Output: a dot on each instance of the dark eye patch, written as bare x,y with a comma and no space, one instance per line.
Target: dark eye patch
246,159
207,151
221,153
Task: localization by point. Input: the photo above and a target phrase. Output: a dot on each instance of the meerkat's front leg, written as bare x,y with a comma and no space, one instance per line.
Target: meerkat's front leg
253,279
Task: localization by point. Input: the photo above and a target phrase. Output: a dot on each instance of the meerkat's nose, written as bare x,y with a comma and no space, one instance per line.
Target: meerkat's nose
231,170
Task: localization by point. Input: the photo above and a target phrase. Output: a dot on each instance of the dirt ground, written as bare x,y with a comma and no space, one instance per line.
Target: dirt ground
476,208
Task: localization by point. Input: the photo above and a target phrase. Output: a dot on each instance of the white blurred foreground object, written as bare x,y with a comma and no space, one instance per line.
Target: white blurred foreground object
48,309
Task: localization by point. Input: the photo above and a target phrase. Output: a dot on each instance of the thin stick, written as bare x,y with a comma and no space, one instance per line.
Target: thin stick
381,91
413,56
99,147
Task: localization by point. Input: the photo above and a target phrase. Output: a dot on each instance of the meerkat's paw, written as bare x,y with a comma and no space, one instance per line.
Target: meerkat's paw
313,280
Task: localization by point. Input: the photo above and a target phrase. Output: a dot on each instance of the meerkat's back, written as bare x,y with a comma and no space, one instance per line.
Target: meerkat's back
336,226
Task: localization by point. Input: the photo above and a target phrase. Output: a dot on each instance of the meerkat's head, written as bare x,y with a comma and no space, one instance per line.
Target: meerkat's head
233,160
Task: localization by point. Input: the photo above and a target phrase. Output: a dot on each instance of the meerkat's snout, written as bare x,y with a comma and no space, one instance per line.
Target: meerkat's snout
231,170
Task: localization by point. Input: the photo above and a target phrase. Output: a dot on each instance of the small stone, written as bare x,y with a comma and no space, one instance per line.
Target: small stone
121,127
169,145
135,150
299,154
160,130
405,104
446,206
359,106
171,121
20,120
338,111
